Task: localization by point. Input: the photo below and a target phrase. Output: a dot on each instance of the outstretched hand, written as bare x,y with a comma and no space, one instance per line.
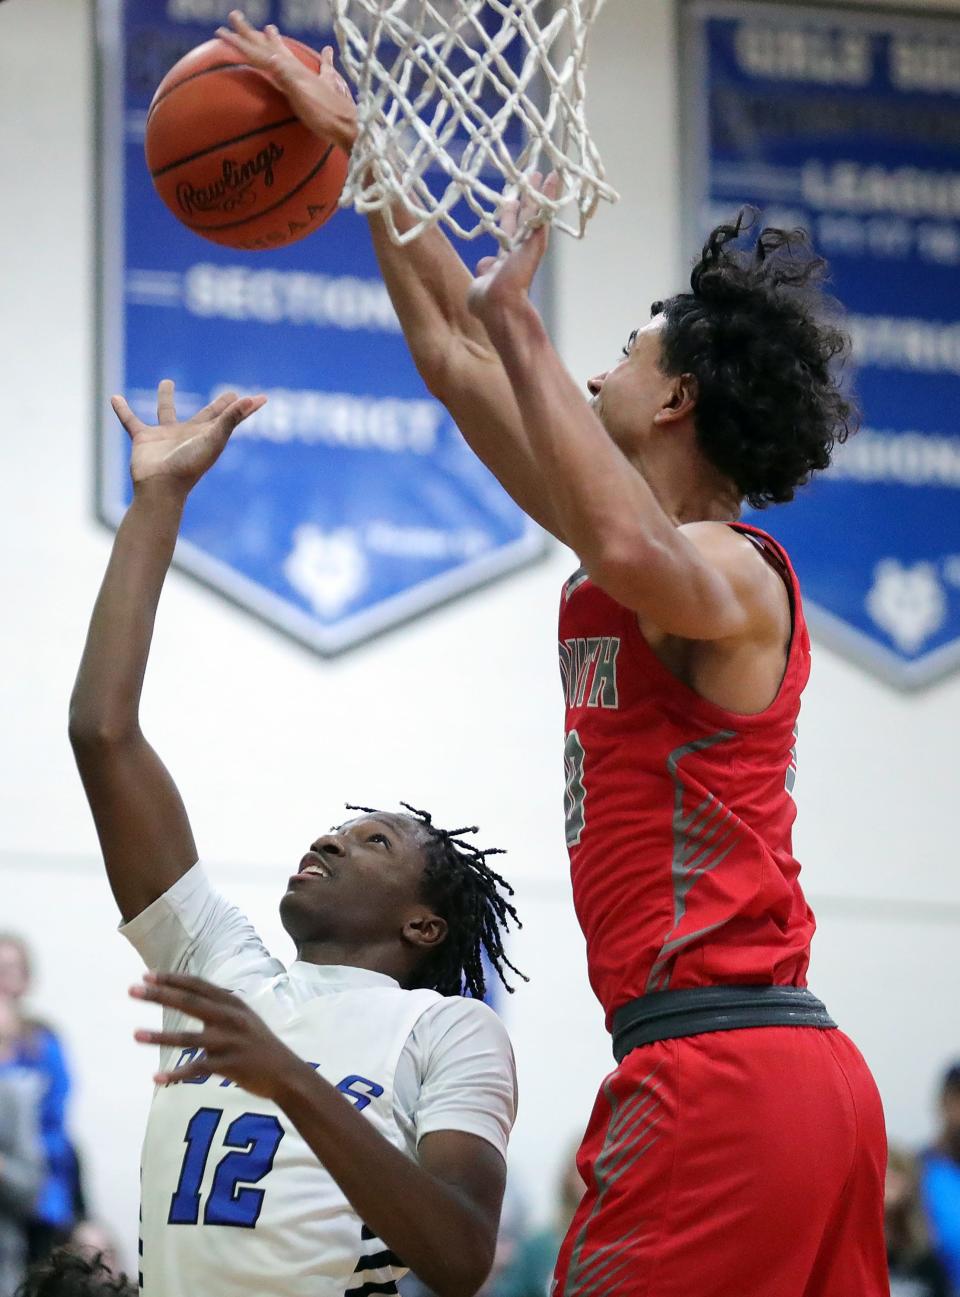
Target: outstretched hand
508,277
234,1042
178,454
323,101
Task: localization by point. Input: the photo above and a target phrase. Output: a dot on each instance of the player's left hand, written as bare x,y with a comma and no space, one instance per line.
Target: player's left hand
507,278
236,1044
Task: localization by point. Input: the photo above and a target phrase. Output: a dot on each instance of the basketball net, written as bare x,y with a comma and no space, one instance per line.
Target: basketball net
461,99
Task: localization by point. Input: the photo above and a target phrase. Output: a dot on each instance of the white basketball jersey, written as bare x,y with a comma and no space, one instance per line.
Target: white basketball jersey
234,1201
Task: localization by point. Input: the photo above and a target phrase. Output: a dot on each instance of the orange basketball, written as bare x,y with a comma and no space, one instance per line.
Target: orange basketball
229,157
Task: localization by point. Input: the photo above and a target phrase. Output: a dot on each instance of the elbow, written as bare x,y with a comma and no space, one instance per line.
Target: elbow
91,733
465,1283
454,364
434,368
430,352
470,1271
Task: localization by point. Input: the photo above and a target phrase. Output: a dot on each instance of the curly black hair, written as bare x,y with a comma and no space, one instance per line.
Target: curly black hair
761,338
73,1274
464,890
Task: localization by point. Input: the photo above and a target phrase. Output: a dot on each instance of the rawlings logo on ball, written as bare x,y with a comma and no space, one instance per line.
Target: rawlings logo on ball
232,189
217,130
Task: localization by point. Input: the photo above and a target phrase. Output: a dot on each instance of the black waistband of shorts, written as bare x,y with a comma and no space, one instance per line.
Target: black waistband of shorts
668,1015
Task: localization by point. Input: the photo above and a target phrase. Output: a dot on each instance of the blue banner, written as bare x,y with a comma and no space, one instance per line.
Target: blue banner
848,123
350,503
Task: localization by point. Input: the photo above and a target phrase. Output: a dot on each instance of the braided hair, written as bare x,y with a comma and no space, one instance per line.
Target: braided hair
469,895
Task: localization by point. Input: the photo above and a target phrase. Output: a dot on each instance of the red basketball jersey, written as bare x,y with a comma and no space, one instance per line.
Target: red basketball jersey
679,814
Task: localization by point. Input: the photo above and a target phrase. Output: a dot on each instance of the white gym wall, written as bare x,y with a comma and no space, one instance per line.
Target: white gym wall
460,712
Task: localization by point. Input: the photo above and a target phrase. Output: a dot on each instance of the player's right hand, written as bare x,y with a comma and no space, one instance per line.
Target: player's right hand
508,277
235,1042
322,102
178,454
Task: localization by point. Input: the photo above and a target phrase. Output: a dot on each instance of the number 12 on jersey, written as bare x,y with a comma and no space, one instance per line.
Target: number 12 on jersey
256,1137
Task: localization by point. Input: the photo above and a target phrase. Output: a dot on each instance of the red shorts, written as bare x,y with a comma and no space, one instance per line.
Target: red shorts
742,1163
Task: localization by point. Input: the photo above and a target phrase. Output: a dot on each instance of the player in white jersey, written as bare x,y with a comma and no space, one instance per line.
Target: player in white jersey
319,1129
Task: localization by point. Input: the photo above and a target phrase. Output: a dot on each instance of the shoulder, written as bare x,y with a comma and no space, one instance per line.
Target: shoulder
735,551
740,557
457,1027
457,1072
449,1011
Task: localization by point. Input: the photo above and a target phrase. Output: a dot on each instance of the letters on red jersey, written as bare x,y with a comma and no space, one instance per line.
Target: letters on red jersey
679,814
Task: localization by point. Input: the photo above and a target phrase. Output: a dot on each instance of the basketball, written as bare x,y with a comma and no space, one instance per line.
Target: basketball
231,160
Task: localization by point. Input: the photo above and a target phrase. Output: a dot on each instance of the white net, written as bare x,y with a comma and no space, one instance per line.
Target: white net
460,99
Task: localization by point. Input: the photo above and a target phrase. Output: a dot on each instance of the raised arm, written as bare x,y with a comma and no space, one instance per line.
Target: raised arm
428,285
701,581
140,818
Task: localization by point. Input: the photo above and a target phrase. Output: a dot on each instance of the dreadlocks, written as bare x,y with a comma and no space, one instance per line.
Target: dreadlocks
466,892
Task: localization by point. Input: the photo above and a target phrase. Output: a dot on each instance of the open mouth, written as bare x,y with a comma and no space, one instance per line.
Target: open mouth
315,866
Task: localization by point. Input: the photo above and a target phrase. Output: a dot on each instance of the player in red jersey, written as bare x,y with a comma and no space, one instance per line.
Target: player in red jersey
738,1149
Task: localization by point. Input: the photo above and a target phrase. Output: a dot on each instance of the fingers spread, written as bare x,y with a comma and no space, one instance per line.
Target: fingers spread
283,64
510,216
194,985
237,20
126,415
166,410
529,206
190,1072
185,1039
227,34
192,1005
208,1004
239,411
215,408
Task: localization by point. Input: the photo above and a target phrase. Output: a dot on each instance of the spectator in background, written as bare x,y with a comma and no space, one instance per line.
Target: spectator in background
38,1050
69,1274
940,1178
915,1270
21,1157
530,1271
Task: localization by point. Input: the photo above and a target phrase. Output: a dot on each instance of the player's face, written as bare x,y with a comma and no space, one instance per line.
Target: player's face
628,397
359,883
